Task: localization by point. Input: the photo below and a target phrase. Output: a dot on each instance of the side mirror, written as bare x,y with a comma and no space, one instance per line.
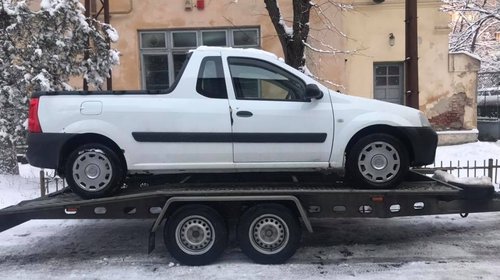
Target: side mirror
313,92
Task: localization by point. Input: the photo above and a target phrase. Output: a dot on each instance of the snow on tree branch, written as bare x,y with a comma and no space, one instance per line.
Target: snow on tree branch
329,49
474,25
306,71
41,50
296,40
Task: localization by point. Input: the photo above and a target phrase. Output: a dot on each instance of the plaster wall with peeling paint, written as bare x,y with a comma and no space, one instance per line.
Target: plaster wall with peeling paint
452,102
447,82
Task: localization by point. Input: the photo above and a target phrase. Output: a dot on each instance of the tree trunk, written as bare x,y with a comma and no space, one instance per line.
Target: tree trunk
292,44
8,157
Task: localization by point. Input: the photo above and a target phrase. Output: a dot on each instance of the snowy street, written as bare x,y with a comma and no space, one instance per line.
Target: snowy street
432,247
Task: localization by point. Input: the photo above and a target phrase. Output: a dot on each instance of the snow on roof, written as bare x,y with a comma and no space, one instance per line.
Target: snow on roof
469,54
238,50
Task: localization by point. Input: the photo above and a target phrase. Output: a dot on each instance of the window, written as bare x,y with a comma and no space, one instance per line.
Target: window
153,40
156,71
214,38
388,82
211,81
246,37
184,39
387,75
256,79
164,52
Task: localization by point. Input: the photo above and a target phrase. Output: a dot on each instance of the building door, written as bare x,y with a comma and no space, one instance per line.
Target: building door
388,82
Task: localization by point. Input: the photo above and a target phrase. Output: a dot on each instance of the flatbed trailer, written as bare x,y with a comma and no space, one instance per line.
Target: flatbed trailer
269,211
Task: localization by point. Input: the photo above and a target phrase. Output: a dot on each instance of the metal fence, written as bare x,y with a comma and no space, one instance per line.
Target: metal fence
50,183
469,168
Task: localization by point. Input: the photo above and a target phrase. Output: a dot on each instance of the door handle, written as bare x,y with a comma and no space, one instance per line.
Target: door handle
244,114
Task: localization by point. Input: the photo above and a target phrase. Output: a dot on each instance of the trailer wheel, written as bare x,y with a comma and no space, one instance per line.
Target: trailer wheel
93,171
377,161
195,235
269,233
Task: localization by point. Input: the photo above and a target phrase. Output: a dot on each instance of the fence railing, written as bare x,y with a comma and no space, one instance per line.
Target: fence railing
469,168
50,183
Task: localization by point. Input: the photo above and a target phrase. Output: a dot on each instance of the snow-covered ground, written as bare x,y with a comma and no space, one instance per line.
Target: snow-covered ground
433,247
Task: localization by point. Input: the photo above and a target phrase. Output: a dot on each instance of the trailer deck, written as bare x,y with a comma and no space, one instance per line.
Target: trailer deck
308,199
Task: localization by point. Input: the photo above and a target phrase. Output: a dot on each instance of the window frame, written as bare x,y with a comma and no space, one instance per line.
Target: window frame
226,33
143,73
245,29
170,50
172,45
141,45
402,77
260,63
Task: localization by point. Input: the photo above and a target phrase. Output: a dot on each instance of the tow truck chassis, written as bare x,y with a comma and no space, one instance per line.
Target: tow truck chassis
286,202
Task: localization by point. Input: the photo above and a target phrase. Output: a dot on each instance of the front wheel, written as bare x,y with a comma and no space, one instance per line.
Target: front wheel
93,171
377,161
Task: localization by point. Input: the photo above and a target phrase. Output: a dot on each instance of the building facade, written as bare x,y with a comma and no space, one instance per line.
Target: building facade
358,52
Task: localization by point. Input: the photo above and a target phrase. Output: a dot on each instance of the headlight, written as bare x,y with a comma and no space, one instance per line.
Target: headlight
423,119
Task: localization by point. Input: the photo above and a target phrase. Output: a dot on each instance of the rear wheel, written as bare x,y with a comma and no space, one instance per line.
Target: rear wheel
269,233
93,171
377,161
195,235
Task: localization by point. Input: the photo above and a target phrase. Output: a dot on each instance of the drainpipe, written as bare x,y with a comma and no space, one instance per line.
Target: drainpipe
411,54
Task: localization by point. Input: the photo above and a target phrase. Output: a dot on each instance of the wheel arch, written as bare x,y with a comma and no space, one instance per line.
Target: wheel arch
387,129
87,138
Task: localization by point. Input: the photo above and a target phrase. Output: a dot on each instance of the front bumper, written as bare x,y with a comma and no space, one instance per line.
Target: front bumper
423,141
44,149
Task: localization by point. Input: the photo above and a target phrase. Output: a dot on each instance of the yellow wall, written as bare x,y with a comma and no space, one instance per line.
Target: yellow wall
131,16
366,27
369,28
154,14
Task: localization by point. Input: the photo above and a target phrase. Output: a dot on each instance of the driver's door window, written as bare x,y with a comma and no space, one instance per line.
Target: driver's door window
258,80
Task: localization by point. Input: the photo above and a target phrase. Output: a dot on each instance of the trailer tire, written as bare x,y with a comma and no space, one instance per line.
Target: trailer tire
377,161
195,234
93,171
269,233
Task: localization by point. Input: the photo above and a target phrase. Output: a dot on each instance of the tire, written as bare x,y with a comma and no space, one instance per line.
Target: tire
282,226
94,171
377,161
195,235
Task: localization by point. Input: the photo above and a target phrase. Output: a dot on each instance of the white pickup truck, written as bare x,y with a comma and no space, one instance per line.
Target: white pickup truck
230,110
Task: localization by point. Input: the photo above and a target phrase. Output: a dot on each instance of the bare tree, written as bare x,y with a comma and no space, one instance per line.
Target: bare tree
473,29
294,32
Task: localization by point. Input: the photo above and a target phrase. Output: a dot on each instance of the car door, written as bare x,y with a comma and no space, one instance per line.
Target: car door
187,129
273,122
